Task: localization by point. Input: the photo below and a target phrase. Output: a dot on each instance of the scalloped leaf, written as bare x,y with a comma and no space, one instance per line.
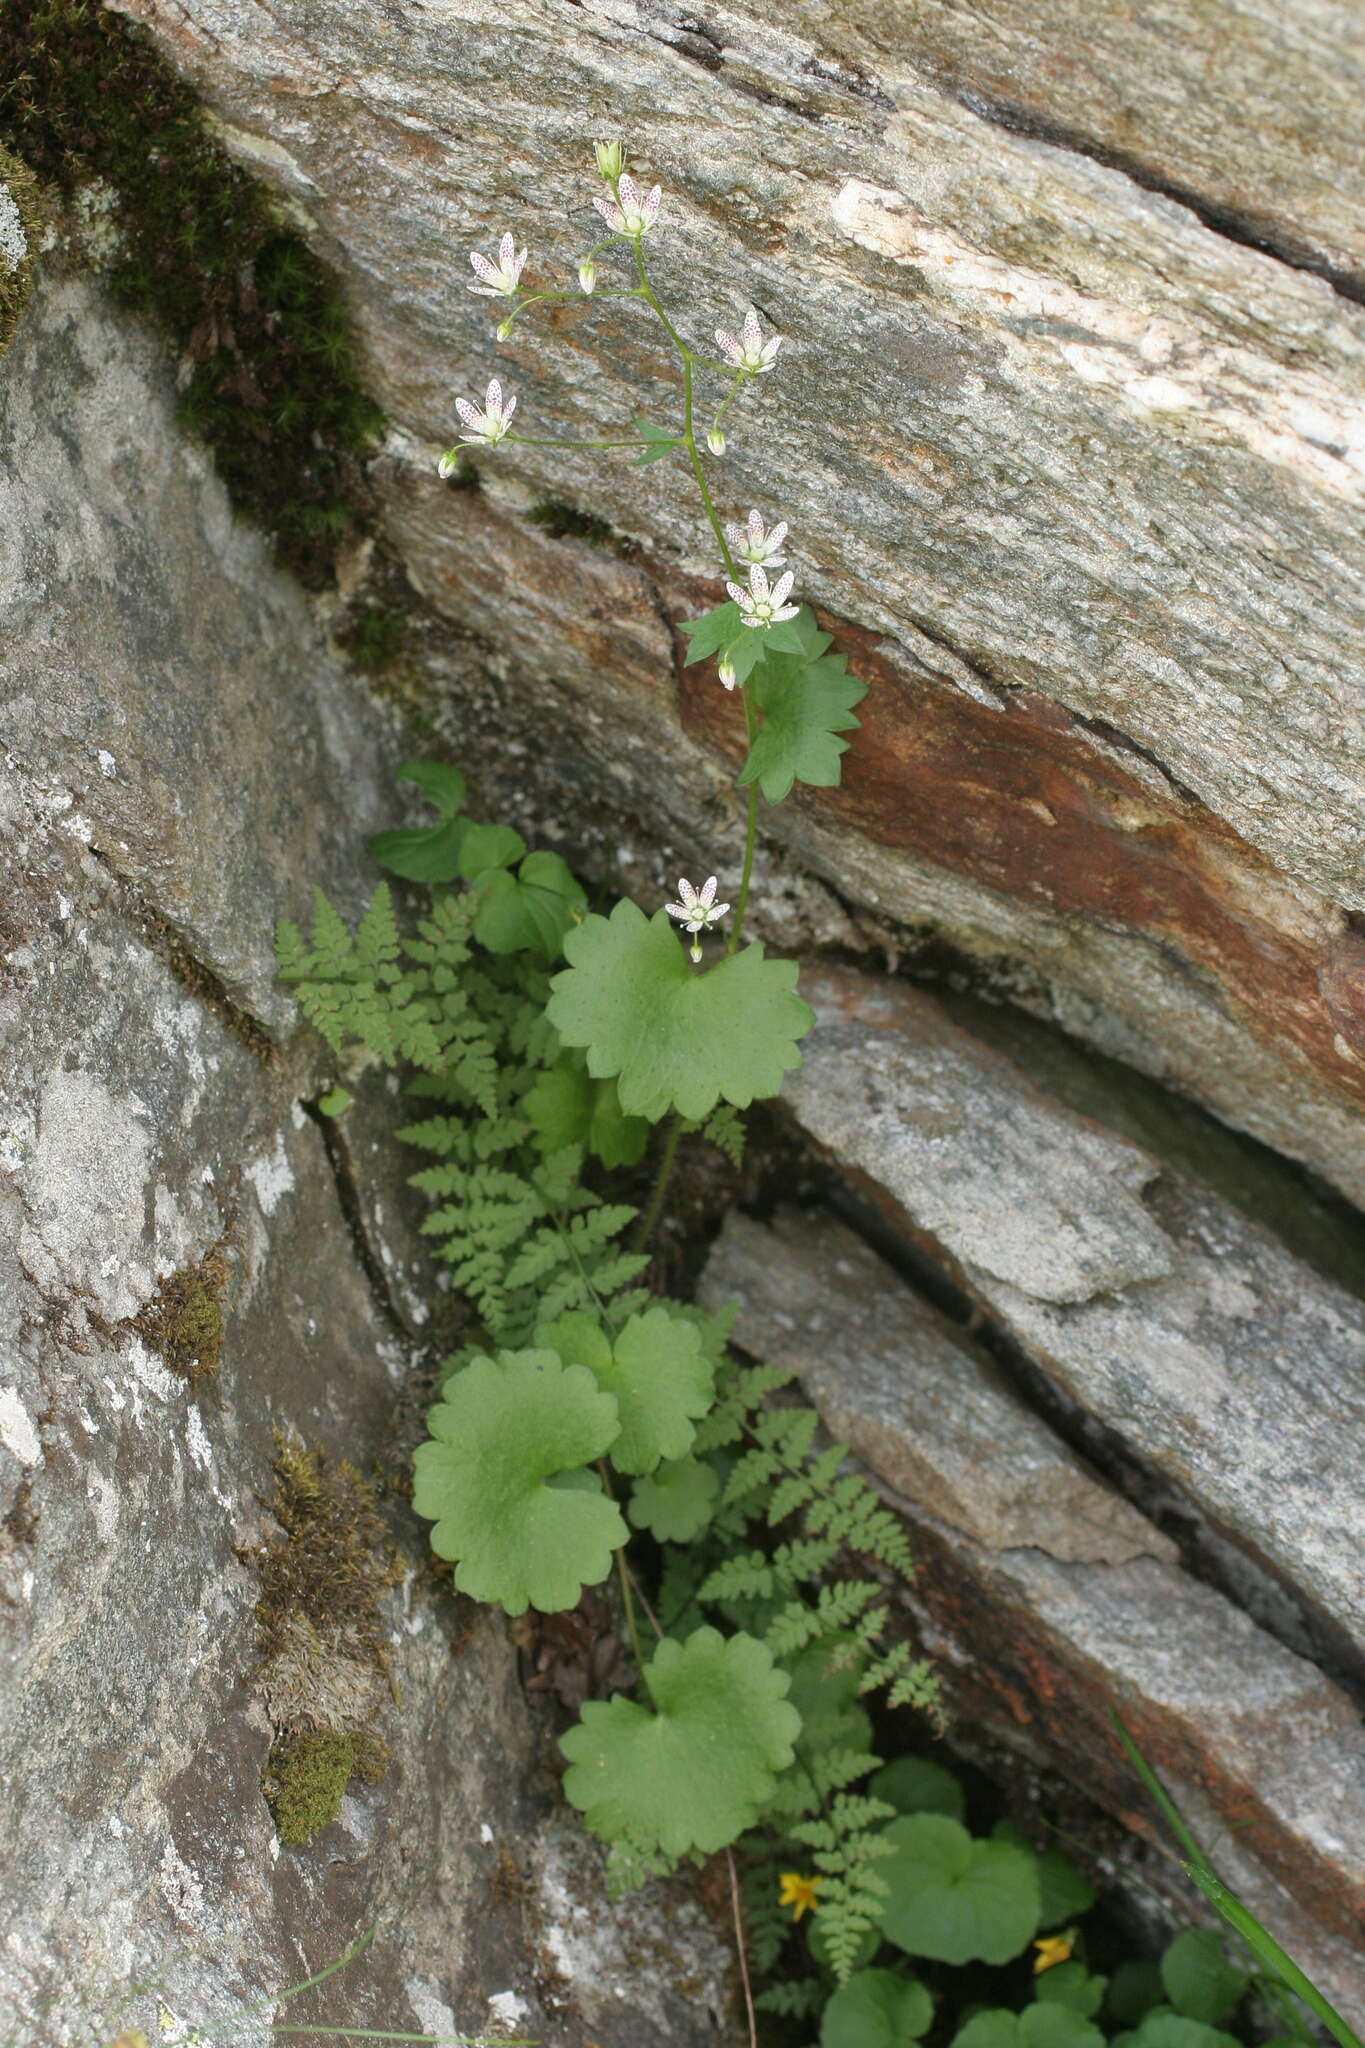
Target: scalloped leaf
657,1372
503,1478
528,911
1037,2026
694,1773
1199,1981
915,1784
676,1501
427,853
1071,1984
954,1899
876,2009
565,1106
673,1036
806,700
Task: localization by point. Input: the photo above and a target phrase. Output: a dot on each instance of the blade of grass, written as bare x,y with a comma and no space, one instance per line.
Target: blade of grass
1170,1812
1268,1951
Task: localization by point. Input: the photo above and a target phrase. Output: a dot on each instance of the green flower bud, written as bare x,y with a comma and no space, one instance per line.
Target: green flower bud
587,275
611,160
715,441
504,330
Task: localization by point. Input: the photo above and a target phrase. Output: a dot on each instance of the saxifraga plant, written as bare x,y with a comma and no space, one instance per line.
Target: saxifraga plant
595,1428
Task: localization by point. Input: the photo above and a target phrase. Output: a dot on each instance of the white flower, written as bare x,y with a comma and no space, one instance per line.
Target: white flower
697,911
760,606
492,423
634,216
502,279
587,276
752,544
751,353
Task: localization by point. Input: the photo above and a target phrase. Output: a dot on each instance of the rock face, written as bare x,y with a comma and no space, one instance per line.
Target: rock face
1075,469
1082,1601
177,744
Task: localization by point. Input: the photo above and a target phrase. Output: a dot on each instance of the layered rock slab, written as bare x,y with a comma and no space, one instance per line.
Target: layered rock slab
1221,1363
1047,1597
183,759
1083,474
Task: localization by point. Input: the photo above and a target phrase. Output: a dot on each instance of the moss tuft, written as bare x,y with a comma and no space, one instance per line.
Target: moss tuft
374,638
21,222
260,325
305,1780
183,1321
335,1561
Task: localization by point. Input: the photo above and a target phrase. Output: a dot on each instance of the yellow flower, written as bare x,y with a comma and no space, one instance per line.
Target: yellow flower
798,1892
1052,1949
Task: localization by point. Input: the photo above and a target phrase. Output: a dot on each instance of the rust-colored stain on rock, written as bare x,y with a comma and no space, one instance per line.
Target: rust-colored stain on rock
1024,800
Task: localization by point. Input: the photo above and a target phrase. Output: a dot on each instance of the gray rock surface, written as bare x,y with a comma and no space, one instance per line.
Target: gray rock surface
182,757
1082,1603
1225,1365
1083,473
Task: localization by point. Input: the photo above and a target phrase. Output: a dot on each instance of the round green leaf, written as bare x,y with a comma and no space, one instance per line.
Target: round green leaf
695,1773
1174,2030
427,853
912,1784
675,1501
1134,1989
1064,1893
1037,2026
502,1478
1071,1984
876,2009
529,910
957,1900
1198,1979
656,1370
489,846
676,1037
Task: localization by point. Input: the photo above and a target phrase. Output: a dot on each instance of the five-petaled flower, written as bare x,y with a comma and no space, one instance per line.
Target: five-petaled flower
761,606
489,425
798,1892
503,279
750,353
633,215
752,544
1053,1949
697,910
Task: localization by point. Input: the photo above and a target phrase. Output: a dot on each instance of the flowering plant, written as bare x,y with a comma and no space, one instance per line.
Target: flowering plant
796,699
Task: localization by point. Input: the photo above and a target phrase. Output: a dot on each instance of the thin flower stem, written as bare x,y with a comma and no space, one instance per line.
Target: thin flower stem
750,836
645,1228
537,441
628,1602
580,298
742,1947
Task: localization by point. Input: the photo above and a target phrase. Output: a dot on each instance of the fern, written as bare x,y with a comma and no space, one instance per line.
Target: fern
523,1239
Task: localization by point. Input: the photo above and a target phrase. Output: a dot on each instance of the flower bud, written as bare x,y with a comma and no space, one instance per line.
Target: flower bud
611,159
504,330
715,441
587,275
449,462
727,673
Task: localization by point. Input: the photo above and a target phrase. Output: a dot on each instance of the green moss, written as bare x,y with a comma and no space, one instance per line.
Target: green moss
335,1561
274,385
566,522
305,1781
327,1574
15,275
374,638
183,1321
